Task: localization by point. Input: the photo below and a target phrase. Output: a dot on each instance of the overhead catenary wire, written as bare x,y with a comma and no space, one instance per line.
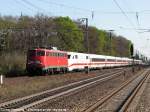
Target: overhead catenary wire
136,13
31,7
24,5
65,5
122,11
9,8
35,7
127,5
91,12
88,10
136,17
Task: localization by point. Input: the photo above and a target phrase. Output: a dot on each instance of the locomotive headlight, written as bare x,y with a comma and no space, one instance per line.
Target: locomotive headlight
34,62
37,62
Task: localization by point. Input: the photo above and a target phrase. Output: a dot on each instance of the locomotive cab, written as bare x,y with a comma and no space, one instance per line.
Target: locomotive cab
35,60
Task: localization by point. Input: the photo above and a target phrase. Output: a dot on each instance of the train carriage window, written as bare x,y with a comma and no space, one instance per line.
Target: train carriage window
62,54
119,60
76,56
65,55
111,60
87,57
54,54
58,54
47,53
50,54
98,59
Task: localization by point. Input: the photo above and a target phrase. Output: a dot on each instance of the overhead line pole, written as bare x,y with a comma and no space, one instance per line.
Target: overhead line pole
86,41
87,36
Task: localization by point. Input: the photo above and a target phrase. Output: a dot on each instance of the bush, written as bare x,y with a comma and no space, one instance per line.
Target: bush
12,64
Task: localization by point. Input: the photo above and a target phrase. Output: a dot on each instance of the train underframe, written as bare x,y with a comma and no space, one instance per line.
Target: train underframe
45,70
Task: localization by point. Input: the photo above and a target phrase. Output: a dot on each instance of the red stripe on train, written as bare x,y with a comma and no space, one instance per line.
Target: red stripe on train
79,64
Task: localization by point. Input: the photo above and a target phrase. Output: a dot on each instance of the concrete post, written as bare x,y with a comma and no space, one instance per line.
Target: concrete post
1,80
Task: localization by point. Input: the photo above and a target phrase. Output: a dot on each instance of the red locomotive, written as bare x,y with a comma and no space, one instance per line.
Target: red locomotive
41,60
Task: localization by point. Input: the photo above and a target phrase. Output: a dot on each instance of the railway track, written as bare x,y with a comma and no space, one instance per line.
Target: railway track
130,88
32,101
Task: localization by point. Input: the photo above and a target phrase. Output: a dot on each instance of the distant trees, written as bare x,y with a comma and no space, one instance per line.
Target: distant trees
101,42
18,34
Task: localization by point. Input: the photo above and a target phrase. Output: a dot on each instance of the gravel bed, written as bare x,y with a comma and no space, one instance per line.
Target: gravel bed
144,103
22,86
79,101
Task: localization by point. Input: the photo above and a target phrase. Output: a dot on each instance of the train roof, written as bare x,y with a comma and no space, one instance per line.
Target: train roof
97,55
51,50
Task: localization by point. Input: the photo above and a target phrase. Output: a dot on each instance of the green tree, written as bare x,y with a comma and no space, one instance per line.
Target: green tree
71,37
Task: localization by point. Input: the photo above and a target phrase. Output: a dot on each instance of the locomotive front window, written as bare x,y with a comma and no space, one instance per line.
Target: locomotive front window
36,53
40,53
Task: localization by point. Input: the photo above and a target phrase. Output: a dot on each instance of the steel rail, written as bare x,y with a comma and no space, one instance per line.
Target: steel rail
80,84
134,93
40,102
102,100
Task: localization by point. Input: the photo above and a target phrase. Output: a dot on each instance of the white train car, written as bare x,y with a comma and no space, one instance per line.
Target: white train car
77,61
97,61
110,61
80,61
137,62
119,61
125,61
129,61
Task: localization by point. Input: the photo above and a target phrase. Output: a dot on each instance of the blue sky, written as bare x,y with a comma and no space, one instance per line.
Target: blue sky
107,15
